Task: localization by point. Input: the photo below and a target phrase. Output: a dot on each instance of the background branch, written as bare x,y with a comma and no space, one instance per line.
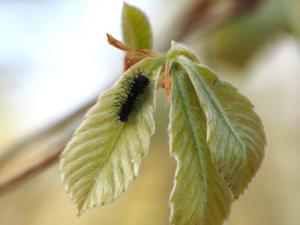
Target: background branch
46,132
52,157
32,170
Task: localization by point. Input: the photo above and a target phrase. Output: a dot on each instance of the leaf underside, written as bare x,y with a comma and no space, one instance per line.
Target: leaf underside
234,131
200,195
105,154
215,136
136,28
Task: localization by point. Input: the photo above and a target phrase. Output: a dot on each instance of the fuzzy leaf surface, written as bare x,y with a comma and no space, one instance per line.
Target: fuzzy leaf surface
105,154
200,195
234,131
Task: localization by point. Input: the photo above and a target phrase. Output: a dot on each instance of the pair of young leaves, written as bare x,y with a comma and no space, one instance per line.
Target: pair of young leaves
215,136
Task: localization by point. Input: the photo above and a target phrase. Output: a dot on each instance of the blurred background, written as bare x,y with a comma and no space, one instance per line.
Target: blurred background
54,58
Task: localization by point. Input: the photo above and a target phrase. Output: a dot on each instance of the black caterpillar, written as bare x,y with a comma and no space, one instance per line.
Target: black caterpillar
136,87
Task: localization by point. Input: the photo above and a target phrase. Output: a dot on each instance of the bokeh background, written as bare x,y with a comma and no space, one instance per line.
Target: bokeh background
54,58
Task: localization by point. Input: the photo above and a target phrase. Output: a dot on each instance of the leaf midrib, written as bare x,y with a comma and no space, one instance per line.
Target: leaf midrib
194,137
215,103
104,162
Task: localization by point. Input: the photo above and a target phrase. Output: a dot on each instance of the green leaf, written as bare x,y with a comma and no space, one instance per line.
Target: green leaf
200,195
234,131
178,49
136,28
105,154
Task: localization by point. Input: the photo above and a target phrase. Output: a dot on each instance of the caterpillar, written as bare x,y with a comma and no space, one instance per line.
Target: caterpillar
136,87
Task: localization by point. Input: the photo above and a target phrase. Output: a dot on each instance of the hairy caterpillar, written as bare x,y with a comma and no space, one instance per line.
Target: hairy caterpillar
136,87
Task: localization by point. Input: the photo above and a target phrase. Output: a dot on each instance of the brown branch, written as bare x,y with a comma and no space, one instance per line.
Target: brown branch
46,132
48,160
29,172
208,15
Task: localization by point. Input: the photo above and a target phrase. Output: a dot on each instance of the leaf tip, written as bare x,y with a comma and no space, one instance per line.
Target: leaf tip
126,8
78,212
125,5
136,27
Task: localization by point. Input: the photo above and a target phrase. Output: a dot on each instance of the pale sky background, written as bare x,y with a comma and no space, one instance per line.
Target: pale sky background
54,55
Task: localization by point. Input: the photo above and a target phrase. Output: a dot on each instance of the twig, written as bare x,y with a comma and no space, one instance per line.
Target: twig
57,126
29,172
208,15
48,160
